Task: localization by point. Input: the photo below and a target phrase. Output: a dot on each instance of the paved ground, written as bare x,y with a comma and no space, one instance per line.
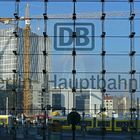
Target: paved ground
54,137
35,134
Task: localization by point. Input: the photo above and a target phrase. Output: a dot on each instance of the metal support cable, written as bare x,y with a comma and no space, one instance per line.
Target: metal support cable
45,74
45,56
74,54
103,52
132,62
15,74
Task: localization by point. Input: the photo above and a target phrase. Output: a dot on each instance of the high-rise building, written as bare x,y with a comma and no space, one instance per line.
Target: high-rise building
11,65
7,58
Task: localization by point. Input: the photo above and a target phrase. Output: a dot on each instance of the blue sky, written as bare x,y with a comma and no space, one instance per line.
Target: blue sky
87,63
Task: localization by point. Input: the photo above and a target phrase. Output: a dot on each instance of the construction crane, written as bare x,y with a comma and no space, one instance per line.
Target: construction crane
6,20
109,14
26,68
26,57
26,64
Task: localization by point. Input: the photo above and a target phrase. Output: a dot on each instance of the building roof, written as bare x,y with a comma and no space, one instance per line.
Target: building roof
108,98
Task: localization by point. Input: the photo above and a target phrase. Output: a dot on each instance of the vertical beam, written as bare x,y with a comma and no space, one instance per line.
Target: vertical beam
137,119
26,94
15,74
132,66
45,52
74,53
7,110
45,74
103,90
103,52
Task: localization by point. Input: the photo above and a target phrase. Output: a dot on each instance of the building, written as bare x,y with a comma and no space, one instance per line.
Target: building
11,66
62,97
7,58
121,105
87,100
108,104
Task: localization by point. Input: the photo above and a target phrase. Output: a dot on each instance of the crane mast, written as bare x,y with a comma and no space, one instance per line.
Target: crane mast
26,57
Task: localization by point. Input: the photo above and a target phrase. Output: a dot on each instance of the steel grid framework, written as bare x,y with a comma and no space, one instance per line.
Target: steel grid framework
132,73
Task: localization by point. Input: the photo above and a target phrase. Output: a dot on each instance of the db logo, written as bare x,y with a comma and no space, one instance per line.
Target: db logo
81,39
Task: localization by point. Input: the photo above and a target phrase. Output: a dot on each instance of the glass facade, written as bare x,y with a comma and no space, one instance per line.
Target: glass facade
7,59
10,62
